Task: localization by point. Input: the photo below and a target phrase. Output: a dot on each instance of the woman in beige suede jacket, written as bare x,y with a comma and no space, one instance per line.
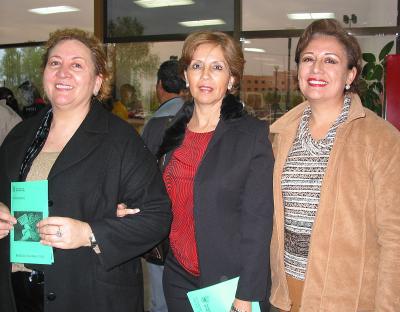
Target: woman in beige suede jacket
336,239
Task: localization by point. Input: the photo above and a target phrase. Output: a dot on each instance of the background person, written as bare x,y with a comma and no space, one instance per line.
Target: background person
92,161
120,108
8,95
128,104
336,240
169,88
8,119
217,164
9,112
32,101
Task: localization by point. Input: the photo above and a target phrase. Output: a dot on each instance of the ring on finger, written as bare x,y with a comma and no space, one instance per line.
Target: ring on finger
59,233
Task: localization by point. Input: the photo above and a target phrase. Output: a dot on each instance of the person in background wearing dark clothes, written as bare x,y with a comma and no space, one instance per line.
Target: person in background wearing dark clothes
92,161
169,88
33,102
8,119
217,166
8,95
9,112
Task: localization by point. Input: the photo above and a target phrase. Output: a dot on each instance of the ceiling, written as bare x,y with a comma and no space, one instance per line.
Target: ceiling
17,25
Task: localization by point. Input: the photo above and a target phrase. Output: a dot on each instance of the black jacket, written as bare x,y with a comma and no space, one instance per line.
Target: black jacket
104,163
233,203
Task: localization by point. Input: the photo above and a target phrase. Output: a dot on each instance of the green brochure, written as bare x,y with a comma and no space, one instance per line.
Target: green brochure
29,205
217,298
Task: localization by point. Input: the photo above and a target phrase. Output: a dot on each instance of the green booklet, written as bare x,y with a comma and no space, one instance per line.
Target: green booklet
217,298
29,205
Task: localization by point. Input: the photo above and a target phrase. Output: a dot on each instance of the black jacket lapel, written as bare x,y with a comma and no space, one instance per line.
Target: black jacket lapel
231,109
85,140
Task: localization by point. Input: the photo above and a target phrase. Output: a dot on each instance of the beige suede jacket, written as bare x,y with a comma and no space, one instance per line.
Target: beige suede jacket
354,255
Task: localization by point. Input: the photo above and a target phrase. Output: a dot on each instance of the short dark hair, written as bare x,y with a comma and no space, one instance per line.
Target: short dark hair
168,74
331,27
93,44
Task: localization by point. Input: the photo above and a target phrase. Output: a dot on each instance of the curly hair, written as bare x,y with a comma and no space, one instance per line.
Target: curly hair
93,44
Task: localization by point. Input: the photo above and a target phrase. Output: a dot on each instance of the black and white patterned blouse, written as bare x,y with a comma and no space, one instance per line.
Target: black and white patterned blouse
301,186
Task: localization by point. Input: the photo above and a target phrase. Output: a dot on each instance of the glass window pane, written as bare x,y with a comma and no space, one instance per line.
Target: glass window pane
129,18
261,15
269,88
137,64
18,65
20,71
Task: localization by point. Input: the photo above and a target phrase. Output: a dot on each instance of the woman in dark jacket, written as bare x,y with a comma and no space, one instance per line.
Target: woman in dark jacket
92,161
218,173
217,165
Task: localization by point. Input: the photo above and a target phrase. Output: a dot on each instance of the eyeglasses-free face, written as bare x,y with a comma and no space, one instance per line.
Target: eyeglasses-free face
208,75
323,71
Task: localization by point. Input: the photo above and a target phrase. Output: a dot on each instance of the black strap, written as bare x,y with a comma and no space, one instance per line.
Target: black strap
36,146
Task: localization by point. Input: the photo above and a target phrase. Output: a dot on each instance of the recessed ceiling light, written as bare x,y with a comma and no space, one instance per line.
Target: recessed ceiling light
148,4
256,50
202,23
54,9
245,41
322,15
306,16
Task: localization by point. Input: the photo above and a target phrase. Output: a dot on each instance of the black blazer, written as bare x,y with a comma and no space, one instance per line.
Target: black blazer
233,203
104,163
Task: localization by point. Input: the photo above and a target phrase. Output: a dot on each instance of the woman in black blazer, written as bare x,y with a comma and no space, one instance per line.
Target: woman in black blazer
217,163
92,161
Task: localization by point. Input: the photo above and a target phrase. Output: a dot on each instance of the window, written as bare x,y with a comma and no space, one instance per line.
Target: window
129,19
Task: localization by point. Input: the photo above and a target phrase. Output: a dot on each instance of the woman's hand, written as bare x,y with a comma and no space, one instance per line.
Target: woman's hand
123,210
6,221
64,233
241,306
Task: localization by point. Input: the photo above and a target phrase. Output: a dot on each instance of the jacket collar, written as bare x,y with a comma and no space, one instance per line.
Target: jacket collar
231,109
291,119
93,126
86,139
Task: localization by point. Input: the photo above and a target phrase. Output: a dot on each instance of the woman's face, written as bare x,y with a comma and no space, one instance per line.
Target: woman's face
69,77
323,71
208,75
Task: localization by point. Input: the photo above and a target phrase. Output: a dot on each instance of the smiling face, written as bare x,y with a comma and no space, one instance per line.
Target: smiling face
208,75
323,70
69,77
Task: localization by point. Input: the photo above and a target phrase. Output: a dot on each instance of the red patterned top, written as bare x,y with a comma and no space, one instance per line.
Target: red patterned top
179,181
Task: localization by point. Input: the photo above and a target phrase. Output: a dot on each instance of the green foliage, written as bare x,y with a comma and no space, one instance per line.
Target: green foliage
131,61
21,64
32,65
125,26
371,85
269,97
296,99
